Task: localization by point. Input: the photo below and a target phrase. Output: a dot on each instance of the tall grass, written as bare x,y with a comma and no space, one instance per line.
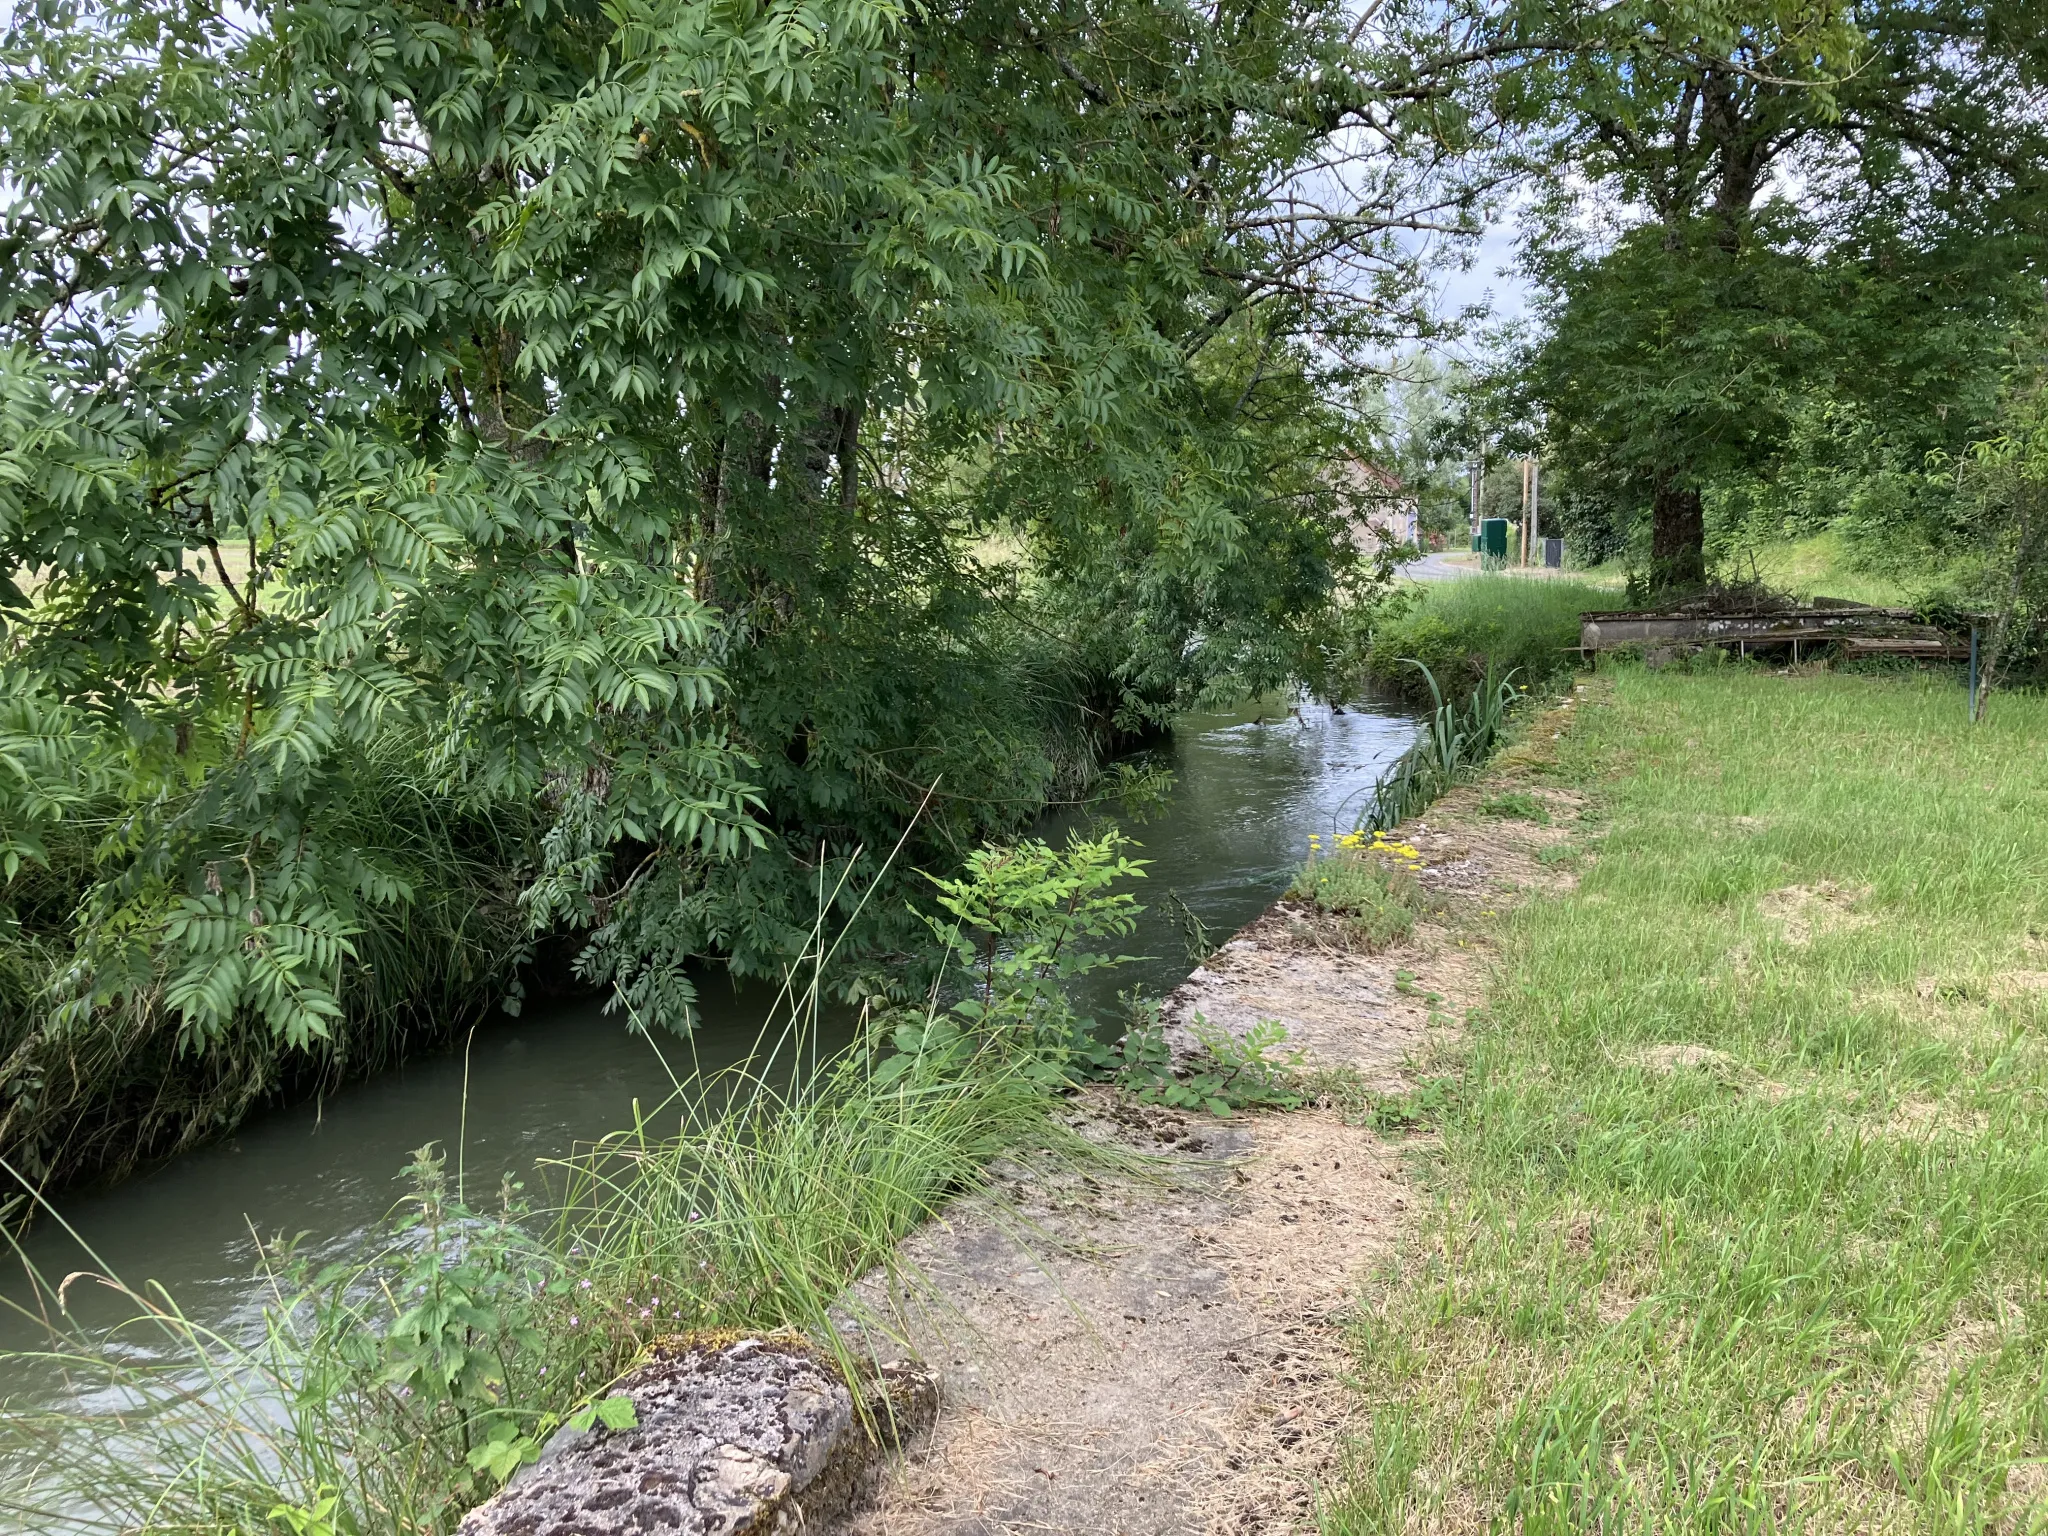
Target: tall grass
1744,1187
1462,629
391,1393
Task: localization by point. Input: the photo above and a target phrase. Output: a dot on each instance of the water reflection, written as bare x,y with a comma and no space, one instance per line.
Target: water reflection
1249,789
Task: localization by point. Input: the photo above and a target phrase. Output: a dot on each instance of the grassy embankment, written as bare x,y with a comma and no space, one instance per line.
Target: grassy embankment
1742,1216
1455,627
1830,563
1824,565
89,1093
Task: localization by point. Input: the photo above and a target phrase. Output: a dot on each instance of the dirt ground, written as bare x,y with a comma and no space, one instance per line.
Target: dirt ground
1166,1353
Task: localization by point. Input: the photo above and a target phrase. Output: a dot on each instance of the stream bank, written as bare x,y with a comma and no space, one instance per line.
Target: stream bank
1248,788
1168,1354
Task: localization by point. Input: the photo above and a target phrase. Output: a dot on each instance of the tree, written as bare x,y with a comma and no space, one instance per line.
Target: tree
1752,204
598,408
2003,477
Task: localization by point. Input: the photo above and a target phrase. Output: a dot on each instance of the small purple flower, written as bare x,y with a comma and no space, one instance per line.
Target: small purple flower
574,1319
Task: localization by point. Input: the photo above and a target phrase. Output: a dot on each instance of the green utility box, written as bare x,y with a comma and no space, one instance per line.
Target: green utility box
1493,537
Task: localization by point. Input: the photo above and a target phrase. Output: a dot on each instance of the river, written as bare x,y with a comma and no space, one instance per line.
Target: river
1248,791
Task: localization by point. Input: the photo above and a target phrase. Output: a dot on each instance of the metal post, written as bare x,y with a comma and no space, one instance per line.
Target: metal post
1973,672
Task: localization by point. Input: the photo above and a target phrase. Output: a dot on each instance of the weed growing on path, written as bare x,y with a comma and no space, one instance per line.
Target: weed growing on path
1515,805
1371,886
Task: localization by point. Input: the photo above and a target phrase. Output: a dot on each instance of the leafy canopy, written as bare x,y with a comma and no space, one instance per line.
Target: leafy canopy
606,403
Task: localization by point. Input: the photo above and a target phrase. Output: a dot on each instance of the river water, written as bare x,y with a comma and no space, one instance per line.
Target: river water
1249,789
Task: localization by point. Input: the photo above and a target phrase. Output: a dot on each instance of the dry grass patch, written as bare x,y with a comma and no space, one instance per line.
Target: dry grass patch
1806,912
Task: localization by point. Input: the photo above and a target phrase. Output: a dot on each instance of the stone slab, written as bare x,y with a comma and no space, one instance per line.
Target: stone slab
735,1438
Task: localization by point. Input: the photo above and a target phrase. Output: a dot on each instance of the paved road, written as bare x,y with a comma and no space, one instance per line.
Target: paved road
1445,566
1437,567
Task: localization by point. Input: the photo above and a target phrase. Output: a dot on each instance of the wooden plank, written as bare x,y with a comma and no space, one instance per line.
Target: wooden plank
1604,631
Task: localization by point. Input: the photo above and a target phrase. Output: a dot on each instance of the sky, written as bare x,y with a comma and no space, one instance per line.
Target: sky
1490,278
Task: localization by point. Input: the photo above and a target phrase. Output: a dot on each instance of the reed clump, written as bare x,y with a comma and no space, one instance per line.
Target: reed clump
1457,737
393,1391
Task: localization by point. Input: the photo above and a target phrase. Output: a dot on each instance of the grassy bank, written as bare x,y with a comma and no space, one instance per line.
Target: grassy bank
1824,564
1456,628
1743,1182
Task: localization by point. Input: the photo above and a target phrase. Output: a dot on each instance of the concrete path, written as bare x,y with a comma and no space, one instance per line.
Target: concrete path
1449,565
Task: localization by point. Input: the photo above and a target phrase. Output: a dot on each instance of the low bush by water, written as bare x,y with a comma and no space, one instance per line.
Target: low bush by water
1367,881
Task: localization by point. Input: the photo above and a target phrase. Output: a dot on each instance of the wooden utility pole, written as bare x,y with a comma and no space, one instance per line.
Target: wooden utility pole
1532,513
1525,512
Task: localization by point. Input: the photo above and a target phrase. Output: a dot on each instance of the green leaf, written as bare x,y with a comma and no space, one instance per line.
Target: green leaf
617,1413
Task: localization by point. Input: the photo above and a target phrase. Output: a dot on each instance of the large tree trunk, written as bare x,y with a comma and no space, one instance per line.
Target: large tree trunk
1678,536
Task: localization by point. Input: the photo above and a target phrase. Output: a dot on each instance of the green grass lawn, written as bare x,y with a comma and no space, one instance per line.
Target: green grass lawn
1742,1193
1823,566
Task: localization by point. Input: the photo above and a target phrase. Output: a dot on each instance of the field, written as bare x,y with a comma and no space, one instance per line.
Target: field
1741,1216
